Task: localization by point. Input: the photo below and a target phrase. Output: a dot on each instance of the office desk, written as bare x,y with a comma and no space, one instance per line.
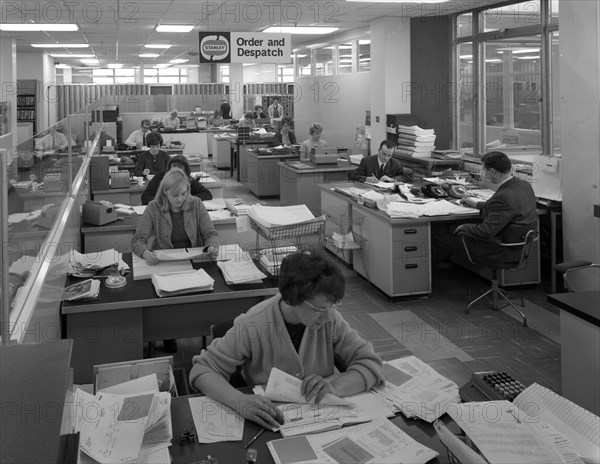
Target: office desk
132,195
235,145
234,452
35,200
196,140
580,347
118,234
260,173
397,252
114,327
299,185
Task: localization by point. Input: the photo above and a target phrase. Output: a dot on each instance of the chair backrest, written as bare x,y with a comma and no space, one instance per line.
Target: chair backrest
525,248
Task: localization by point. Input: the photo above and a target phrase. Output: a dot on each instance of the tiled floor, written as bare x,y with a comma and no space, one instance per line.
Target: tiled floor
437,327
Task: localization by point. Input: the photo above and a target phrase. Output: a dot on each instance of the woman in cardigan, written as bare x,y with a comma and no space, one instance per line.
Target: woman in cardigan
298,331
178,219
285,136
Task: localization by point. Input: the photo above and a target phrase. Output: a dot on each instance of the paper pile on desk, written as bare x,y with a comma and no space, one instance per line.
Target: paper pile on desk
270,258
89,265
142,270
215,422
180,254
219,215
400,209
272,216
379,441
182,283
240,272
87,290
131,427
215,204
416,389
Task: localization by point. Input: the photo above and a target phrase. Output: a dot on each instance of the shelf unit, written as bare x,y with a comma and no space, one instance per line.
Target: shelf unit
264,94
27,101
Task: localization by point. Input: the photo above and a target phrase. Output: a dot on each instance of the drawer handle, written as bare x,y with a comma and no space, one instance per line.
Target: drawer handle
410,248
410,231
411,266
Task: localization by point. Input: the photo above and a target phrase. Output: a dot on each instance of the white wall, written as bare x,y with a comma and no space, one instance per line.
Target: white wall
339,105
259,73
580,115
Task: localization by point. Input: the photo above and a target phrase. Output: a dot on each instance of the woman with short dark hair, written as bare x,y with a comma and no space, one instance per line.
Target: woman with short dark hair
298,331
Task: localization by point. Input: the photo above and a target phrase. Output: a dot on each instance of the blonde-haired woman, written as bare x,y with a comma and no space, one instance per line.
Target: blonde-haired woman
313,142
178,219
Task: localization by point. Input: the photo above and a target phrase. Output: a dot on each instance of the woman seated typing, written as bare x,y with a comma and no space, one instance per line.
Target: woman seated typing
298,331
177,162
313,142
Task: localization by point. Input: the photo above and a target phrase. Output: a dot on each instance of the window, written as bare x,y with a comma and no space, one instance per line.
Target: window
285,73
324,61
364,55
344,62
509,80
224,74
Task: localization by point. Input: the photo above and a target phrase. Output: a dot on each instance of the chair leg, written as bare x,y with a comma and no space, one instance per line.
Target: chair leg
512,305
483,295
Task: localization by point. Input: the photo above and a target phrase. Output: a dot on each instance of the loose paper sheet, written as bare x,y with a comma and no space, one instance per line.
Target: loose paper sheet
214,421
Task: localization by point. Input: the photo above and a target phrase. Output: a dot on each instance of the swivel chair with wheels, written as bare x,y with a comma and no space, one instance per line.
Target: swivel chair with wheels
497,255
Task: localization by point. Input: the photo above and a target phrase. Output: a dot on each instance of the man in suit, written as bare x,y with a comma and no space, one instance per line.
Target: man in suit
379,168
511,210
506,217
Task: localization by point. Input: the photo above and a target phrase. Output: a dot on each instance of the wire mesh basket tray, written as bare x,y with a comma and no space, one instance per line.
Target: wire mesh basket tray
314,226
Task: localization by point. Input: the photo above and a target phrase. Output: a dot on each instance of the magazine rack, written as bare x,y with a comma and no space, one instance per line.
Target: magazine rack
293,234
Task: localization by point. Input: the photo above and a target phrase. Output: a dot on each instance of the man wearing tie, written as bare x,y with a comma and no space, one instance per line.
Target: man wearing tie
380,168
138,137
53,141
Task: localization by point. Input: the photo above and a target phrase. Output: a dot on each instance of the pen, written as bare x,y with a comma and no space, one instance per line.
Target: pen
253,439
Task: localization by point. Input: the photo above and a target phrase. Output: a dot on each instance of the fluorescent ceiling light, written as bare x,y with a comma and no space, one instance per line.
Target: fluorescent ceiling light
300,30
178,60
72,55
465,57
528,57
173,28
494,60
30,27
114,65
148,55
157,46
89,61
301,56
519,50
161,65
62,66
59,45
364,42
398,1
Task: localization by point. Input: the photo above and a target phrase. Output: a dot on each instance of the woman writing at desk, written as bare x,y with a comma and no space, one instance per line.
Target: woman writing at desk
154,160
313,142
285,136
298,331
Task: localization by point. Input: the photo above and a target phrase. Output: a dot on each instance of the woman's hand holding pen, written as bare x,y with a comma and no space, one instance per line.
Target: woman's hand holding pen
150,257
260,410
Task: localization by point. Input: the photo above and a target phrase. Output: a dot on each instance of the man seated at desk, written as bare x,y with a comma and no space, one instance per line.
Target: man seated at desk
28,167
177,162
506,216
137,138
378,168
247,121
54,140
154,160
299,331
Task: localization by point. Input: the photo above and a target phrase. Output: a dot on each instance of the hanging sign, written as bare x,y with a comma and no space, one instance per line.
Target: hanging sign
244,47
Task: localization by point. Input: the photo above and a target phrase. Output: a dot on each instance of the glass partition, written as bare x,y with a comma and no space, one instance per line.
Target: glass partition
46,184
466,95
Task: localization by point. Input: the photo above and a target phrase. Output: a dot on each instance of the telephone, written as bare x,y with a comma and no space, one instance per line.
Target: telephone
433,191
491,385
455,190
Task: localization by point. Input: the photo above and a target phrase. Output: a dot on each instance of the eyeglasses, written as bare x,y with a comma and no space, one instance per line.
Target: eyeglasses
322,310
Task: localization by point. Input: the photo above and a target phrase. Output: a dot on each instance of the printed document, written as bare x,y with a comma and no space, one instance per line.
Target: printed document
214,421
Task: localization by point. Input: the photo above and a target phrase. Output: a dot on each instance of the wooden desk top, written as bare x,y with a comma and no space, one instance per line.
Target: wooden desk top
585,305
141,293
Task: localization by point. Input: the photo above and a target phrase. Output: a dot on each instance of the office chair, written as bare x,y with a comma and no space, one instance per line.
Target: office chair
497,255
573,268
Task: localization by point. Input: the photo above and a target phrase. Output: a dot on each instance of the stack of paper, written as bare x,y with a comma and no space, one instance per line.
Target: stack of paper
215,204
91,264
273,216
182,283
271,257
180,254
415,141
240,272
143,270
221,214
86,290
416,389
344,242
129,423
379,441
237,206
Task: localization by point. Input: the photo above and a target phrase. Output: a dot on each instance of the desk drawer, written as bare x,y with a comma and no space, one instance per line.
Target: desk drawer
411,276
412,232
410,249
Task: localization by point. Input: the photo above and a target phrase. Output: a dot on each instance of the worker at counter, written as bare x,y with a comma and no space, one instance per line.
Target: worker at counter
154,160
172,122
138,137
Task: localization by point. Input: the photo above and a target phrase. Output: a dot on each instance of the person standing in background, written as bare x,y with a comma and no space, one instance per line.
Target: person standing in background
172,122
225,109
275,109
